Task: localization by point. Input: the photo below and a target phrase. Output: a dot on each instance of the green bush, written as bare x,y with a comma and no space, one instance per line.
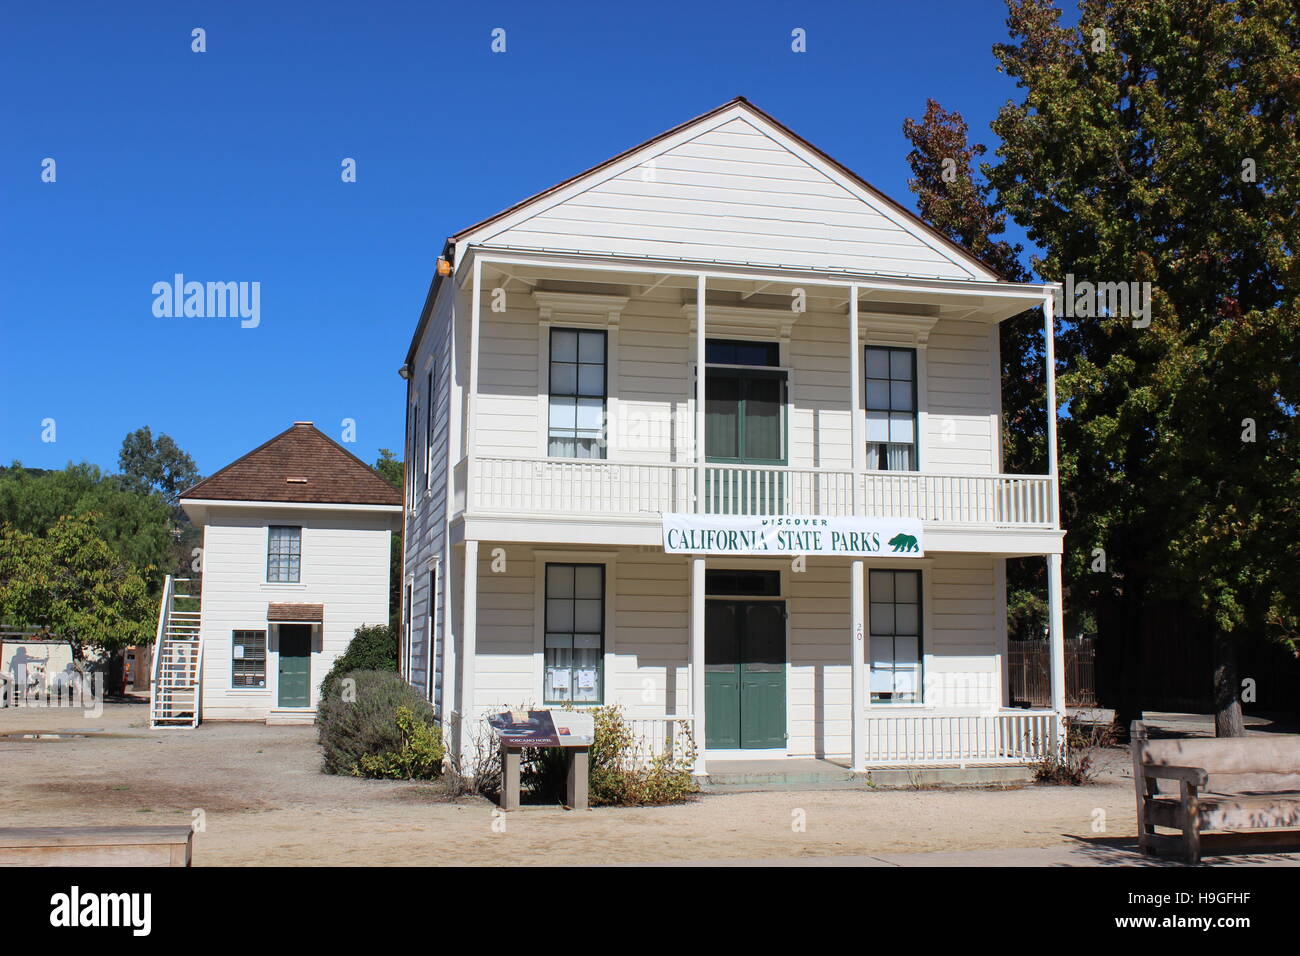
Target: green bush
385,729
372,648
618,775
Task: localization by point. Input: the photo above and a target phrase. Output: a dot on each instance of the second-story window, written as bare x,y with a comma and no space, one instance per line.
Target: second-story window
284,555
891,408
428,433
577,390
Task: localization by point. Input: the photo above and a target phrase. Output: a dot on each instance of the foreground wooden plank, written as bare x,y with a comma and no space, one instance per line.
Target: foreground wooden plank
96,846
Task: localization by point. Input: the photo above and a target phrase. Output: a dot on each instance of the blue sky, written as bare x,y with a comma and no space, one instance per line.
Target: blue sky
225,166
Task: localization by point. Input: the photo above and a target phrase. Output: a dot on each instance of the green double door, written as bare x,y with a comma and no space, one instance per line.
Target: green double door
295,665
744,425
744,674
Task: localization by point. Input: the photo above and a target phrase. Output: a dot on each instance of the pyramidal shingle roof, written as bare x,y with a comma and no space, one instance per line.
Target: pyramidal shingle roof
301,464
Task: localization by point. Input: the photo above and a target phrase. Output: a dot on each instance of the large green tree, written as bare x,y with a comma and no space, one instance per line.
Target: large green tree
135,524
956,200
156,464
72,581
1156,142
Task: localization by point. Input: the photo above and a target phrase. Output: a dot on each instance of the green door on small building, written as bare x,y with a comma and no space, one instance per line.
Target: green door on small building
744,675
295,665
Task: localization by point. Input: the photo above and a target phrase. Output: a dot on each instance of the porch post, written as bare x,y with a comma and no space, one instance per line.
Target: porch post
697,663
1049,340
699,394
471,394
469,624
857,658
855,401
1056,635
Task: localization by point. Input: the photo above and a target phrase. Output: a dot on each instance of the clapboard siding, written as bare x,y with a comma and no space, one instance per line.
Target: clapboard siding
425,541
732,193
651,388
345,560
650,674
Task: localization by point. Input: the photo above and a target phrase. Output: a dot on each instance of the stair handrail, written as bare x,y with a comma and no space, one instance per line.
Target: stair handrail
164,609
198,684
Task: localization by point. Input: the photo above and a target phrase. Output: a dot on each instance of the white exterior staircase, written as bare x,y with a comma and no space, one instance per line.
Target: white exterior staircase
178,659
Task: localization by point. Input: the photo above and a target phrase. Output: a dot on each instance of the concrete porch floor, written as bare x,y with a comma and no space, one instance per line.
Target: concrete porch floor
815,773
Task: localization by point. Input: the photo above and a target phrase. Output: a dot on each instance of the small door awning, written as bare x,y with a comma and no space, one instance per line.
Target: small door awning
295,613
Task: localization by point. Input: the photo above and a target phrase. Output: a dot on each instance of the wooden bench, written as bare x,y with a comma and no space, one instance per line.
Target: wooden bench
1246,788
96,846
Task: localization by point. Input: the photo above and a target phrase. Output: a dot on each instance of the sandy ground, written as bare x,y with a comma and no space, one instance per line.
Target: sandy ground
264,801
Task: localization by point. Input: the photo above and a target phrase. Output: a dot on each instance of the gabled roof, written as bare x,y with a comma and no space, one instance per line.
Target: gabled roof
301,465
495,227
741,104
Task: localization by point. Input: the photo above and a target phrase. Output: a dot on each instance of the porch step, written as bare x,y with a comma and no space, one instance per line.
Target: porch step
745,776
290,716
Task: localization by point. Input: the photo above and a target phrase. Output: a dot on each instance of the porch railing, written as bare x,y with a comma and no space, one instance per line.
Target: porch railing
904,739
631,489
959,738
657,736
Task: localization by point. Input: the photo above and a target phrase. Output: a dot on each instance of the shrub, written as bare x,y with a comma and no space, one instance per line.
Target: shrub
1072,763
618,773
386,729
372,648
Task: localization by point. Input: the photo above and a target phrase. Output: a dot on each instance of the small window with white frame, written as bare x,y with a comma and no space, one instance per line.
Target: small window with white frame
891,408
573,668
577,393
248,659
284,554
895,614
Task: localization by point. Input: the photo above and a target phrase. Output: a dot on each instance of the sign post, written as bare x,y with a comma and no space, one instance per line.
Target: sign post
517,729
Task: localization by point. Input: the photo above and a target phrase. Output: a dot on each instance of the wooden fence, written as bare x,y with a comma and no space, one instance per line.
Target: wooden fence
1029,672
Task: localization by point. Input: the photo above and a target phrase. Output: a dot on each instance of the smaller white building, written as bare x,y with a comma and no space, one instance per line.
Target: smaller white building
296,551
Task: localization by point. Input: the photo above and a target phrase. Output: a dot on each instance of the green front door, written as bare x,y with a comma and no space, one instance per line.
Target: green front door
744,675
744,424
295,665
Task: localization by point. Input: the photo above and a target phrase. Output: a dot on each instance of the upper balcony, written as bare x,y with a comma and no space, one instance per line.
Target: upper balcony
582,386
546,486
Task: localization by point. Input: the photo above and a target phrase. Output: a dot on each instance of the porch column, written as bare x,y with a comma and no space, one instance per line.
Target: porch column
1056,636
697,663
859,459
1049,339
699,396
469,623
857,658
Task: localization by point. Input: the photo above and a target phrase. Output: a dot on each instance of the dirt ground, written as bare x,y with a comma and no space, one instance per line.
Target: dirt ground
264,802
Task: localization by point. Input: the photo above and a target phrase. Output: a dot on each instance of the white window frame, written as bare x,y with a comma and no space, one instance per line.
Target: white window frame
924,565
540,560
266,566
582,311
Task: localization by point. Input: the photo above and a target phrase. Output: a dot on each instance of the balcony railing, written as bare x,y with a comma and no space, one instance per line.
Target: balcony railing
630,489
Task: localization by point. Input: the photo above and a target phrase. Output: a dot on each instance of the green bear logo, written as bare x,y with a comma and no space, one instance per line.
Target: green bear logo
903,542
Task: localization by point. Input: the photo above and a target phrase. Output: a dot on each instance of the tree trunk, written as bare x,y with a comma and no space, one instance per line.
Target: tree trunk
1227,699
1128,618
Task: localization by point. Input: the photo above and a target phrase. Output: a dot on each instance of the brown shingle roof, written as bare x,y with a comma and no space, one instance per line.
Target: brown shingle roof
305,613
300,465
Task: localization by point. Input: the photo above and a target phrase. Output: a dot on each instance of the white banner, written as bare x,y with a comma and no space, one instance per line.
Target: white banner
793,535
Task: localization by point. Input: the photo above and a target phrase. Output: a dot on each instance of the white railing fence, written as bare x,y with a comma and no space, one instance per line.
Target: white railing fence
947,738
657,736
598,487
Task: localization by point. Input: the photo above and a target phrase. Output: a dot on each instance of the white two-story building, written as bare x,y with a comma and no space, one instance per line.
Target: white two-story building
296,555
711,431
